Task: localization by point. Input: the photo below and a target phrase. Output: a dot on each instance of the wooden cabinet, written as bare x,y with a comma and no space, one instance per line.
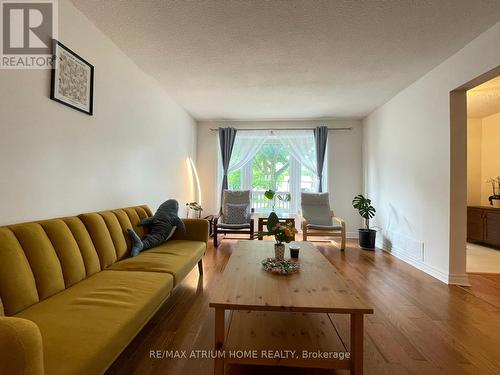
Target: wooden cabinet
475,226
483,225
492,227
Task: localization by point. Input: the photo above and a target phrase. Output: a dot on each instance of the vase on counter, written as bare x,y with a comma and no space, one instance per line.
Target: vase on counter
279,251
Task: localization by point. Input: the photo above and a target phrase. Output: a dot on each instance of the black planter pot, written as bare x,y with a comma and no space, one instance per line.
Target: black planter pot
367,238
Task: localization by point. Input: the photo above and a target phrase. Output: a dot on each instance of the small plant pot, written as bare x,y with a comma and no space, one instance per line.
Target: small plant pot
294,252
367,238
279,251
495,203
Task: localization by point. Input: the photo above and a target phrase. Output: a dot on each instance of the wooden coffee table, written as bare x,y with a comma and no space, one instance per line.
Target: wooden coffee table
285,320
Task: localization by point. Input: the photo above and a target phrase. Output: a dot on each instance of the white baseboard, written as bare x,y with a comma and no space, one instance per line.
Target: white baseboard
459,279
452,279
428,269
438,274
352,234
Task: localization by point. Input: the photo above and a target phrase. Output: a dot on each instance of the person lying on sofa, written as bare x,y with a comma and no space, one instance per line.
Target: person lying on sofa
161,227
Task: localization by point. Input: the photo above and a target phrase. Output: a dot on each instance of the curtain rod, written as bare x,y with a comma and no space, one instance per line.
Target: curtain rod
271,129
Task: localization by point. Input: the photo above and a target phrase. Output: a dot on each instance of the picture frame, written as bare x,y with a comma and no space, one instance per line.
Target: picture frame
72,80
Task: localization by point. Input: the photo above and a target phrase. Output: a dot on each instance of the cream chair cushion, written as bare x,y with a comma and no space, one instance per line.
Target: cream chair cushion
316,208
324,227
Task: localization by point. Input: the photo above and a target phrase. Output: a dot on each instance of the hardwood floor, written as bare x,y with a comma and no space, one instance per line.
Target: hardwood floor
420,325
485,286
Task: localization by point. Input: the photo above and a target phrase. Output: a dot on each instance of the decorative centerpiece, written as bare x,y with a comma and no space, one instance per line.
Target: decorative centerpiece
280,267
495,186
283,233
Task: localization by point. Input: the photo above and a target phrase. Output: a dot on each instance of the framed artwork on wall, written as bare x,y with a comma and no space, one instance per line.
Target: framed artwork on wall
72,80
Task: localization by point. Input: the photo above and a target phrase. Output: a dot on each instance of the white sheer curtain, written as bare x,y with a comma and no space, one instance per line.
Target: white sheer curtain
302,148
300,144
246,145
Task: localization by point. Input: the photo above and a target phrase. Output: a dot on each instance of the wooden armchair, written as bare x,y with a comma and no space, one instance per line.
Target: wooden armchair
319,220
235,205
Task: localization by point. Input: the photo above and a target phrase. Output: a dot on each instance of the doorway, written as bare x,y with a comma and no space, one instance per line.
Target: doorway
474,134
483,178
458,176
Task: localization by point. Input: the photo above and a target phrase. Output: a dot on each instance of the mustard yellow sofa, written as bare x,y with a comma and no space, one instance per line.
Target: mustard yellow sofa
70,297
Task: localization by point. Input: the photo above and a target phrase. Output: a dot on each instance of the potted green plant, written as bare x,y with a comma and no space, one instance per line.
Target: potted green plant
272,196
367,235
283,233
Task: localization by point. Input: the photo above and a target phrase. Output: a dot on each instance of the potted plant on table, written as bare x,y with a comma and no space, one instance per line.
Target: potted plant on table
495,186
283,233
272,196
367,236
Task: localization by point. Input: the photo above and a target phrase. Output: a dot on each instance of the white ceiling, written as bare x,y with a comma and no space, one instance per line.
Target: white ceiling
265,59
484,100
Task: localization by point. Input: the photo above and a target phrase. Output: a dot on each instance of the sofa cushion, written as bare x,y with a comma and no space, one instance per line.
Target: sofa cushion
176,257
85,244
108,230
101,238
42,258
17,283
125,223
135,215
117,233
67,250
85,327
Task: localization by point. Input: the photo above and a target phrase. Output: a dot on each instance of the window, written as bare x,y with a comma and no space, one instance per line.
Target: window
234,180
274,167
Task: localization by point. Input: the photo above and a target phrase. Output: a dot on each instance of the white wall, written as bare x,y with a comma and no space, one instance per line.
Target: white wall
474,179
490,154
344,162
55,161
407,162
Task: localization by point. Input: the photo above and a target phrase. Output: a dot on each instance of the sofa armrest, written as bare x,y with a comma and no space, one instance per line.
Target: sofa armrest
21,349
196,230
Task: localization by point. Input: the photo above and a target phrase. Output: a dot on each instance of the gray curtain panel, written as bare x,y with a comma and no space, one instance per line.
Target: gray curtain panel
226,142
320,137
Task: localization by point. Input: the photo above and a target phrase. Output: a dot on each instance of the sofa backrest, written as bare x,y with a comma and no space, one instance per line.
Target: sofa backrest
108,230
40,259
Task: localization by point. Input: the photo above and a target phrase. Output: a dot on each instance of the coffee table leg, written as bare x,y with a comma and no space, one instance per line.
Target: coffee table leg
357,344
219,340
